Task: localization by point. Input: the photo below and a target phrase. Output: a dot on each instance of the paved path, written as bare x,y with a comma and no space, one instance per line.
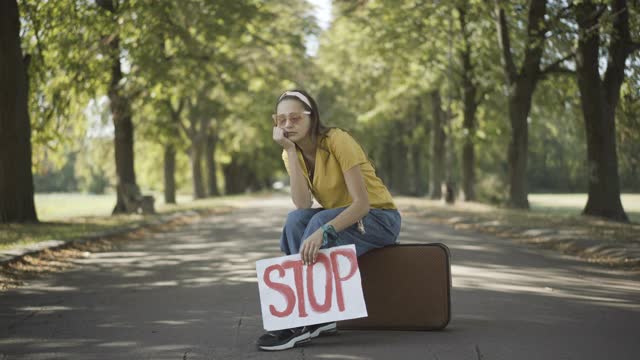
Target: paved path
191,294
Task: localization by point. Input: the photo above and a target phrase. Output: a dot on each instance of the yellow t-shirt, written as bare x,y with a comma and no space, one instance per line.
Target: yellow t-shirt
329,187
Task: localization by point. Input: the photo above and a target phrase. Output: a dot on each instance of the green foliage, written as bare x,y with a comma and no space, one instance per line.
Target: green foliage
557,147
378,57
97,182
51,179
226,61
628,131
95,165
198,67
62,38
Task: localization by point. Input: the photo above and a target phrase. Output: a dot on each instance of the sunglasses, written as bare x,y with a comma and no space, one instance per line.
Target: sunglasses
294,117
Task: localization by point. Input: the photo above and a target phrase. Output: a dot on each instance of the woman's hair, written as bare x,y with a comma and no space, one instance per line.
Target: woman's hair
318,130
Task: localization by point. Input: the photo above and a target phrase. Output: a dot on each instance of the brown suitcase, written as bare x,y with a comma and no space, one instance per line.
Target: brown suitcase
405,287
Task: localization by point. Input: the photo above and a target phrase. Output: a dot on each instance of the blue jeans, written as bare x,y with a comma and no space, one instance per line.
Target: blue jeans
381,229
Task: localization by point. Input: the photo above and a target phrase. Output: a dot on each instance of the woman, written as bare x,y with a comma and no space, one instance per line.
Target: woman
330,166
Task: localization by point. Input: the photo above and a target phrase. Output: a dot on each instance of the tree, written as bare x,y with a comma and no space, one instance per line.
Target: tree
64,73
520,84
16,178
438,141
121,115
470,99
384,95
600,97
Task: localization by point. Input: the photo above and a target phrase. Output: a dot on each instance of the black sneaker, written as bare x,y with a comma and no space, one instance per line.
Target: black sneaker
321,329
283,339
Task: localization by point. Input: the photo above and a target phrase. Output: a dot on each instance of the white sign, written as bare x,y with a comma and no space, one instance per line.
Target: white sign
293,294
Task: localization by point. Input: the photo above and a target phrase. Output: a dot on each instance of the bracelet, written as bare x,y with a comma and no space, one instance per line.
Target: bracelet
329,235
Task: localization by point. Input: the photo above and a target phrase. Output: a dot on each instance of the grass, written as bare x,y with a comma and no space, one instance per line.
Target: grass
572,204
65,216
64,206
554,222
557,211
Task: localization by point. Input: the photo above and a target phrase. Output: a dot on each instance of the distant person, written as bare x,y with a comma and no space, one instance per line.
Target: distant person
330,166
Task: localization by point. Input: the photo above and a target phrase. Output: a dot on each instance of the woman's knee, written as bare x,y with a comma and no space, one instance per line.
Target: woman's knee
298,216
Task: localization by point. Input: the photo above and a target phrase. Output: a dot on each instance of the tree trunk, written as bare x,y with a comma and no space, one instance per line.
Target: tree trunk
400,166
419,176
231,178
397,159
196,167
129,196
123,141
16,178
420,181
599,100
169,174
210,158
468,169
170,152
519,107
387,163
469,93
521,85
197,133
437,147
239,176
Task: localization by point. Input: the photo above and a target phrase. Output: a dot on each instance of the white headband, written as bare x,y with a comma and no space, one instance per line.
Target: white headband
297,94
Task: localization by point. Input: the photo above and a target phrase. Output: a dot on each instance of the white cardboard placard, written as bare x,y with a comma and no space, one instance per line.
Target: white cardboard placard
330,289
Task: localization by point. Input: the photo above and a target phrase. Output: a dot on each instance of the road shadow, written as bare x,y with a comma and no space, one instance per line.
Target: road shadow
191,293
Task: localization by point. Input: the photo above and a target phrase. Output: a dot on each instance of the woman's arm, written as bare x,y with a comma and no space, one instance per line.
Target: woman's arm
354,212
300,193
360,205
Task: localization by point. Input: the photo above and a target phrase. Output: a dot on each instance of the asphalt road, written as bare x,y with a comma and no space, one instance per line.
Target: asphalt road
192,294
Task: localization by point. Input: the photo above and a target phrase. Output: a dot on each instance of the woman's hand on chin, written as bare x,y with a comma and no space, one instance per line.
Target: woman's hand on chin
280,137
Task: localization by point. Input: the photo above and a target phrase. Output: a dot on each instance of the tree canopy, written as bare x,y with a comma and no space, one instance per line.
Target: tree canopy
488,96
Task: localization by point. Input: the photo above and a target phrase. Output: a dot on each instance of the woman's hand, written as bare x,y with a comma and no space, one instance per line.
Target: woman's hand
310,247
280,138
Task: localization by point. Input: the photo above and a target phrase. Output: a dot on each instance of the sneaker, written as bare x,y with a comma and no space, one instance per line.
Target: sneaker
283,339
321,329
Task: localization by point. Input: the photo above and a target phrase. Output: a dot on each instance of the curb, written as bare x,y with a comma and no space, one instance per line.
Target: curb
10,255
623,254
